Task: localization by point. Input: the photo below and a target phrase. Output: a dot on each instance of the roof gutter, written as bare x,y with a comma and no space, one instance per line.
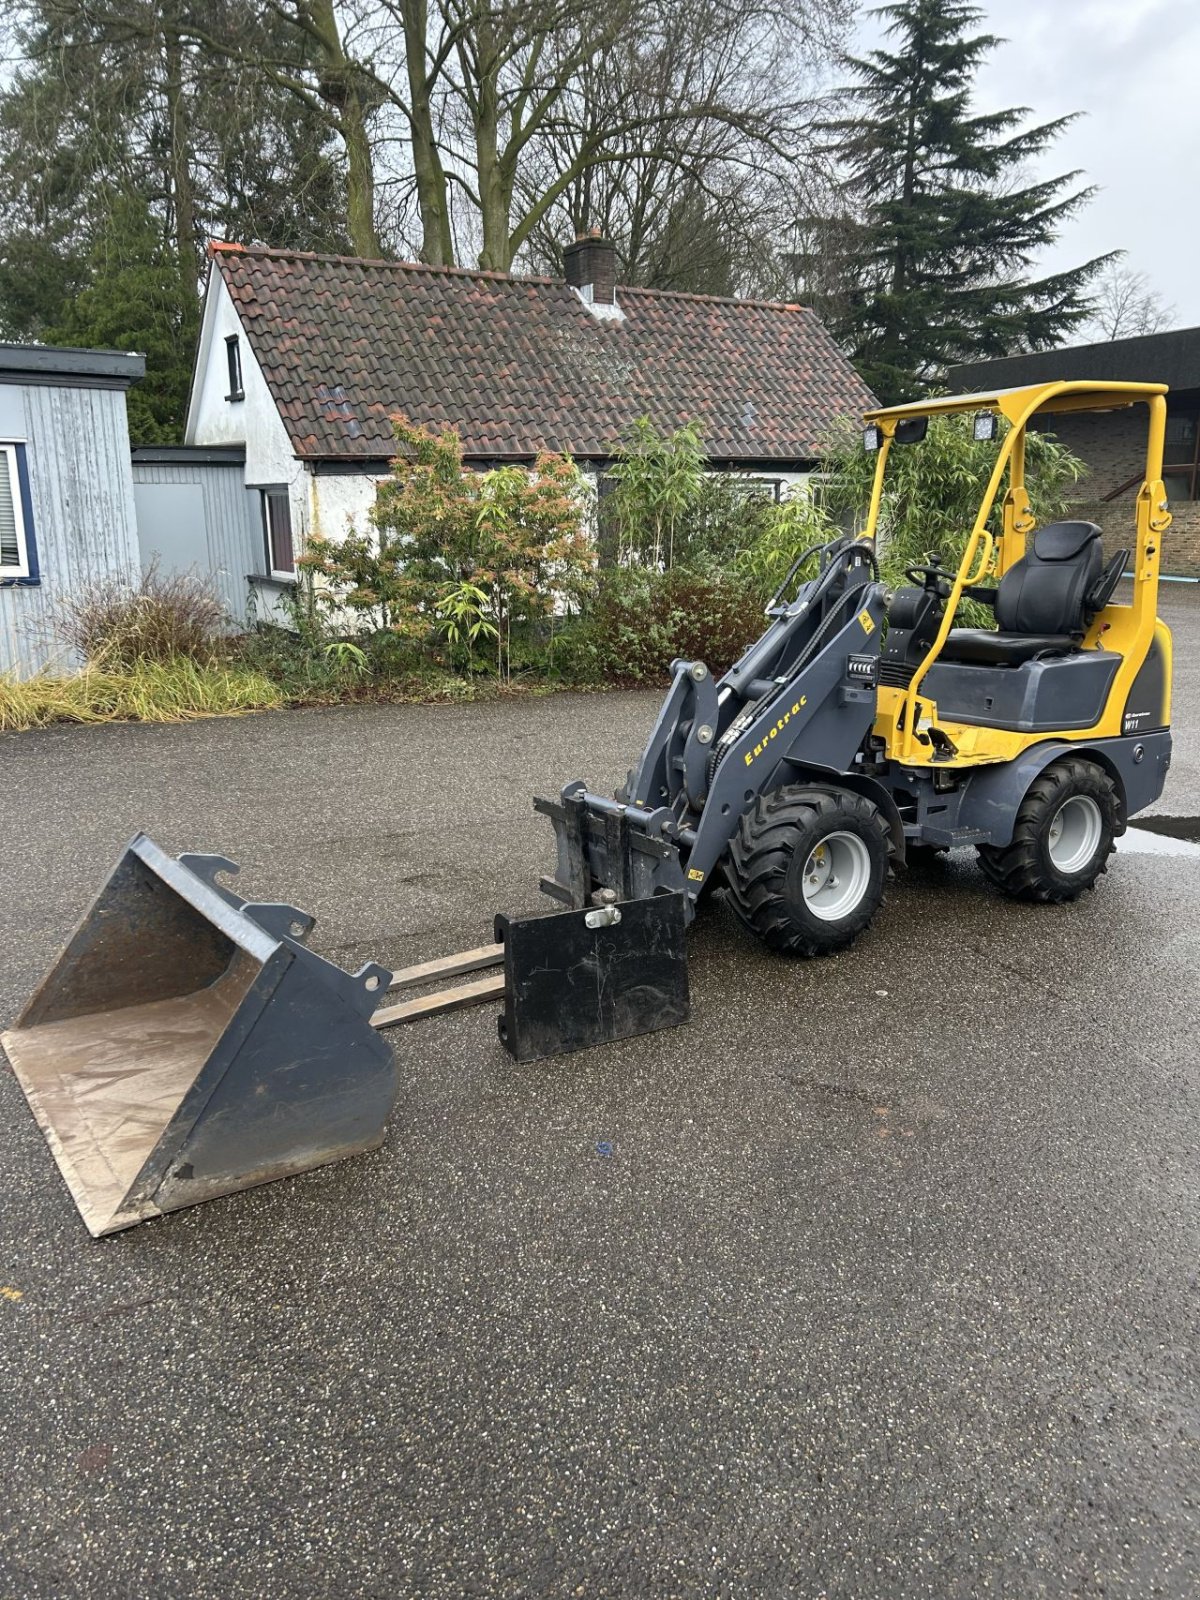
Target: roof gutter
69,368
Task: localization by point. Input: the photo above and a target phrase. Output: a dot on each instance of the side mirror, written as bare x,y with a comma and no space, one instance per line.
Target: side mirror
911,430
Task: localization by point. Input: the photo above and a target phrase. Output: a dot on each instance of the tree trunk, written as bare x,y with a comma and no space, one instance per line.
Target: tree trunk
343,88
182,192
495,195
437,245
360,178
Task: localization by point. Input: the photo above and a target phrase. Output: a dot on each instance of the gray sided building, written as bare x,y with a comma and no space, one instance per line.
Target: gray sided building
67,517
195,515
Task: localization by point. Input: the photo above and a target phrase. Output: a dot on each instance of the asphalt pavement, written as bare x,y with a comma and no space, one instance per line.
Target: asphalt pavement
876,1281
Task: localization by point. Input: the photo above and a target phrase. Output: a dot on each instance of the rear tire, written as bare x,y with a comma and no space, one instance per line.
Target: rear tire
1063,835
806,869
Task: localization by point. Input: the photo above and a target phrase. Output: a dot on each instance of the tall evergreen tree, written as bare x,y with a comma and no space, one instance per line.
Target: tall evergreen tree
137,298
938,259
123,144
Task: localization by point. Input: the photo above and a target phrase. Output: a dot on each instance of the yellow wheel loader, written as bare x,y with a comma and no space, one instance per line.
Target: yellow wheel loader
187,1043
862,724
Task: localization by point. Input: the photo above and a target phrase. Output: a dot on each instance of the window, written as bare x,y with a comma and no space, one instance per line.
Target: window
1181,462
277,524
18,555
233,358
743,489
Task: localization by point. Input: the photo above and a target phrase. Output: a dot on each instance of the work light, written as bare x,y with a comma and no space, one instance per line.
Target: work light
984,426
871,438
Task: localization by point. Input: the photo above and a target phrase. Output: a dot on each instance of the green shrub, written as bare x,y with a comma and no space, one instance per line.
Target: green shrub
459,561
641,620
795,525
297,664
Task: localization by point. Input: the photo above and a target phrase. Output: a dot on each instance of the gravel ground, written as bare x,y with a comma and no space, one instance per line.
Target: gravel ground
877,1280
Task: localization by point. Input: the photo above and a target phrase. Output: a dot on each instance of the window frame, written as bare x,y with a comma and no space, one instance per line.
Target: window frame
26,573
233,367
266,492
1186,469
747,486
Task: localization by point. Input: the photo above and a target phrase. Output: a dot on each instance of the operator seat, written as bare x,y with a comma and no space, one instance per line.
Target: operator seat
1043,602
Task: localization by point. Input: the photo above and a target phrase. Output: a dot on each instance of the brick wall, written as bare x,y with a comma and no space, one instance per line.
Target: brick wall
1113,444
1181,545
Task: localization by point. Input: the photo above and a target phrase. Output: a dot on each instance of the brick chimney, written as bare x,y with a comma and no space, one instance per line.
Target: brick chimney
591,269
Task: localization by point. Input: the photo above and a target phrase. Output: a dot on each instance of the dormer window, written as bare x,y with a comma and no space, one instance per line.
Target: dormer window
233,358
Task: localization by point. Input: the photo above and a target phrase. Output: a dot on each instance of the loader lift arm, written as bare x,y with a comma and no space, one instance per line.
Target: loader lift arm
800,699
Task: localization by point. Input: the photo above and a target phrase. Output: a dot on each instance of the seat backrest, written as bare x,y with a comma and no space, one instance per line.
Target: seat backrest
1045,591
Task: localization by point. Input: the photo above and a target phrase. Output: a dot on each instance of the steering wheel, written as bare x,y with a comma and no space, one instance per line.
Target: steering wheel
937,577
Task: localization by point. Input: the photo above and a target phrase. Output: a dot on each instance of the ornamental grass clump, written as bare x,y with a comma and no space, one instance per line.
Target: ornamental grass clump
176,690
116,625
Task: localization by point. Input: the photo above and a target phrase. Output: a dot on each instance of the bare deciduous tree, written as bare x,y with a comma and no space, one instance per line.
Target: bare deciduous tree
511,112
689,143
1127,305
480,129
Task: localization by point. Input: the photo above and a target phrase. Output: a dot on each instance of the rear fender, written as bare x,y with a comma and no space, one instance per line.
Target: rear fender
1137,766
992,796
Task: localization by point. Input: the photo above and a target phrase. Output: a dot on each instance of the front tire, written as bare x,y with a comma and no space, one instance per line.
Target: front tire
807,868
1063,835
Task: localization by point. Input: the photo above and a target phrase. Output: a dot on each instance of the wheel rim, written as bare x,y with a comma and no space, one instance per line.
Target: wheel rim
1075,833
836,876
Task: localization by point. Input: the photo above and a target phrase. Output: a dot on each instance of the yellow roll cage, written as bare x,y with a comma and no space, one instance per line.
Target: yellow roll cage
1127,629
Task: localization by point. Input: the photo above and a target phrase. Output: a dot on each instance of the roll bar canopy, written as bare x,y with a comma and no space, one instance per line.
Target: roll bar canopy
1024,402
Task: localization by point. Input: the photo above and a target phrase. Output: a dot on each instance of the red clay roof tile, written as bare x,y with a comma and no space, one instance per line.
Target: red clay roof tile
518,365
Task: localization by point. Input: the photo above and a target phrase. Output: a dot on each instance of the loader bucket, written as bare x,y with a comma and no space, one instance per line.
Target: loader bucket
186,1044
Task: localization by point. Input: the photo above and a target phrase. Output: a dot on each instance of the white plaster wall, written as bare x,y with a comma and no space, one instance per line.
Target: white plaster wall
337,502
254,422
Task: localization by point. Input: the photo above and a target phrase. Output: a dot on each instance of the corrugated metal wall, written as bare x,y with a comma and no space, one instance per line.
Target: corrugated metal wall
232,519
81,488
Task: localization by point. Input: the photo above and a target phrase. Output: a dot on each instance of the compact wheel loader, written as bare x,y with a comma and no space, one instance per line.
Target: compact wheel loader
863,725
187,1043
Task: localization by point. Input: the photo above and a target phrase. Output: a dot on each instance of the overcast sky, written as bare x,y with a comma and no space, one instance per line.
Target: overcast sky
1133,68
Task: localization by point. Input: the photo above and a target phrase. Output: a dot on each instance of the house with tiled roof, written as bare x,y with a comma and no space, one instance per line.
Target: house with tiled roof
303,360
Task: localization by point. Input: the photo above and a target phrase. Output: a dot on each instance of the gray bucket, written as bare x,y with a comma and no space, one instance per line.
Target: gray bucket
186,1044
